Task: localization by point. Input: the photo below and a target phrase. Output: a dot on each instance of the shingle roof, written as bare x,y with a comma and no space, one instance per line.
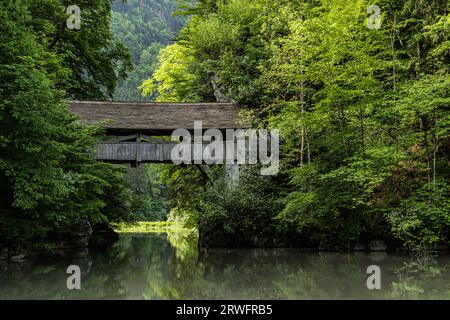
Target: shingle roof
161,118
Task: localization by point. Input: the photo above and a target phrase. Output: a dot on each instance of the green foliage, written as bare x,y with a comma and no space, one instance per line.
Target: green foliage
93,59
149,193
145,27
151,227
423,218
240,213
48,178
364,114
175,79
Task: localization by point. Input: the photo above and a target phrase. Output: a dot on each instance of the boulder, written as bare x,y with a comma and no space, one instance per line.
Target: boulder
103,235
82,229
377,245
18,257
325,245
441,247
77,236
334,246
3,254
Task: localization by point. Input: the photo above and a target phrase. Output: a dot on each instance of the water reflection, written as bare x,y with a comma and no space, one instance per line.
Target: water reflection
168,266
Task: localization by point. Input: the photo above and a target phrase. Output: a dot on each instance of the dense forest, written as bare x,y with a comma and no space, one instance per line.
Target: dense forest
144,27
363,106
362,103
49,181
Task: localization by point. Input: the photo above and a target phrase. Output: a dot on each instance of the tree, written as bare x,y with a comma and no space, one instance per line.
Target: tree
49,180
94,60
363,113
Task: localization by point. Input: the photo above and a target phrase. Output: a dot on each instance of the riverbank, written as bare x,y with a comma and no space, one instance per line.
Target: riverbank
84,237
151,227
161,266
76,241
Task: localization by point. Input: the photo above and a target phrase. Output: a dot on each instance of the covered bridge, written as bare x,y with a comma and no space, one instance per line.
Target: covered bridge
134,126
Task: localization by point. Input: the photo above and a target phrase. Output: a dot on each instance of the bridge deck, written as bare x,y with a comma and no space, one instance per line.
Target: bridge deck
156,118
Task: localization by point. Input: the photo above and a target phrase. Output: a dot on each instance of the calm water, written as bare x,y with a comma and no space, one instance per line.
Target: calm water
167,266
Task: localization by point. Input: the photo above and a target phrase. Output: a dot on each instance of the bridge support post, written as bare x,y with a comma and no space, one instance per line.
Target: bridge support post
138,147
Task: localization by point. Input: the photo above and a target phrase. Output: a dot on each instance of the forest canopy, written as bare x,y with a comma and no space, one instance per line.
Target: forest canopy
363,108
359,90
145,27
49,180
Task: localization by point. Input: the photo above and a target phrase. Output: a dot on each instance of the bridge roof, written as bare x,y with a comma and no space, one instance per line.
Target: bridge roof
157,118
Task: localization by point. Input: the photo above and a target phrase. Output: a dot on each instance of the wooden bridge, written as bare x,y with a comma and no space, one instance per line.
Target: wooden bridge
136,127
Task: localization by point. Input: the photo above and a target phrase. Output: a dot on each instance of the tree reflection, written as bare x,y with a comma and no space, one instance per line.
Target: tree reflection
169,266
422,275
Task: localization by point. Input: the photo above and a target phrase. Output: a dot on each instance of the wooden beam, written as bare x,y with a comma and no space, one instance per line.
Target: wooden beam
139,152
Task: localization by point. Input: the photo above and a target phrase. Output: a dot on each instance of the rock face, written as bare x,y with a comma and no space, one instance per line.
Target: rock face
103,235
83,235
333,246
3,253
441,247
78,236
326,245
76,241
359,247
18,257
82,229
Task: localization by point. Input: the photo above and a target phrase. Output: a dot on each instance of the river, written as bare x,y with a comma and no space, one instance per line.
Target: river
168,266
